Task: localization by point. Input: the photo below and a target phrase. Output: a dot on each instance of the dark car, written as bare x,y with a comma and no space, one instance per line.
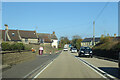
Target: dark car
85,51
71,48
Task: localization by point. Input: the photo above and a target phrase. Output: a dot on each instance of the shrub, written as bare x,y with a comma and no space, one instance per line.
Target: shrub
105,39
14,46
18,46
5,46
117,47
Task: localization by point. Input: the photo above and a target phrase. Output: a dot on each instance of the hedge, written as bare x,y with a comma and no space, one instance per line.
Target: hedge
105,50
11,47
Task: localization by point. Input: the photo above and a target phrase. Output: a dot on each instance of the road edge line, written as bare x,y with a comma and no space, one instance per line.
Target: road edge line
99,71
45,67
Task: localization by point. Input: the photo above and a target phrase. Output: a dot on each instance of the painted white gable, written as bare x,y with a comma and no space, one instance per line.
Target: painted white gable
55,43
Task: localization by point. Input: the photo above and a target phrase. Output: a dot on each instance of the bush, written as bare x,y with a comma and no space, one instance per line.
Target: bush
117,47
12,47
105,39
17,46
5,46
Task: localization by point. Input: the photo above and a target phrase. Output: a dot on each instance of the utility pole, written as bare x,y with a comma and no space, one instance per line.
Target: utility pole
93,33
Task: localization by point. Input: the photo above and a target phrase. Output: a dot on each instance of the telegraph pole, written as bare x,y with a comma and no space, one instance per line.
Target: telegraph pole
93,33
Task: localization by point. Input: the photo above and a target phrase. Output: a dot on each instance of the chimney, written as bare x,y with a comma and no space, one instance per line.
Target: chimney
114,35
54,32
6,26
102,36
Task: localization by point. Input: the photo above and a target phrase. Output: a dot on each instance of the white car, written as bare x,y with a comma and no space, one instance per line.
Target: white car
74,50
65,49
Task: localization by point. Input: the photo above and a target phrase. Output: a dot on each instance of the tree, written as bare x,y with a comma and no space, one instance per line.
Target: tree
76,41
63,41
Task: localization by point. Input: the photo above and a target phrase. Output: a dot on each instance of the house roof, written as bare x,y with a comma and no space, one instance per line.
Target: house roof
3,36
14,36
116,38
47,37
44,36
53,36
28,34
90,39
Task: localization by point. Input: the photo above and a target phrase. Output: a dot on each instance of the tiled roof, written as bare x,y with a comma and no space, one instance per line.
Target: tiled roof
47,37
13,34
53,36
28,34
90,39
44,36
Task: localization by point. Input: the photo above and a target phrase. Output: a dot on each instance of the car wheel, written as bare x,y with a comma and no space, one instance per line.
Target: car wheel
91,56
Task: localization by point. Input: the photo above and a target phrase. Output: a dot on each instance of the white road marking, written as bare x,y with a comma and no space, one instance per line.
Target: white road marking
99,70
45,68
32,72
95,68
92,69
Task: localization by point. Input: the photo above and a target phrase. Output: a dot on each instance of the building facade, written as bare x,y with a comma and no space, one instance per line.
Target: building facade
48,39
88,42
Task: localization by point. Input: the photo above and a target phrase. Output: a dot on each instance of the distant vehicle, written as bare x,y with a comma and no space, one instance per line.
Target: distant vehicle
85,51
66,46
65,49
70,45
74,50
119,61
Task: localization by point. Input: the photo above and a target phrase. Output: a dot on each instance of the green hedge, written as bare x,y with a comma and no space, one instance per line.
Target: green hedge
11,47
105,50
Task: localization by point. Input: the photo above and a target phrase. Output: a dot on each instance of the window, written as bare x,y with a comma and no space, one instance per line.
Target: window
26,40
54,46
13,34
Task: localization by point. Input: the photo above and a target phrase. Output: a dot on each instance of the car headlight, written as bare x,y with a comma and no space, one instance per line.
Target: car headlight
82,51
90,51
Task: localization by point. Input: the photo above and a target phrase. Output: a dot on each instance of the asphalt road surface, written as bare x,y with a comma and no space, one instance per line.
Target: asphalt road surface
105,65
67,66
22,70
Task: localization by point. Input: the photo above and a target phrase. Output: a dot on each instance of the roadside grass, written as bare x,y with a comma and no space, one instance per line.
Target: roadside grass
14,57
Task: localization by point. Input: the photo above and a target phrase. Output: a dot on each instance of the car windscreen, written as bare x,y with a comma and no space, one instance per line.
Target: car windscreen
85,48
74,49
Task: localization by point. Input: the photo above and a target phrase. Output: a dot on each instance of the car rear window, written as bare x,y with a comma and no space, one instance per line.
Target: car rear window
74,48
85,48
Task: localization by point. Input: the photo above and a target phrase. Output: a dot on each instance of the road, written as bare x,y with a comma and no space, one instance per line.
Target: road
23,70
107,66
67,66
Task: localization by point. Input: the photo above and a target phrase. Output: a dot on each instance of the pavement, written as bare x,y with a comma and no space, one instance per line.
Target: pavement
22,70
67,66
107,66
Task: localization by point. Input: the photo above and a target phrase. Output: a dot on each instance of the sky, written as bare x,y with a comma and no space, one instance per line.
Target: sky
65,18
